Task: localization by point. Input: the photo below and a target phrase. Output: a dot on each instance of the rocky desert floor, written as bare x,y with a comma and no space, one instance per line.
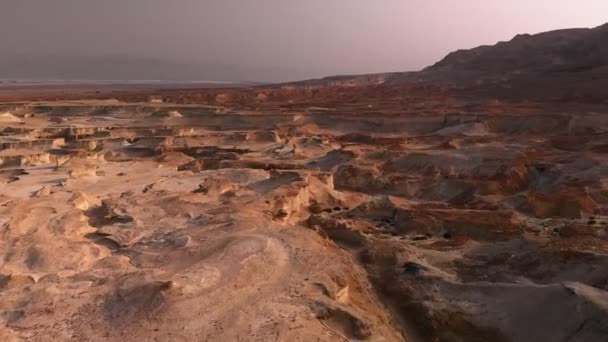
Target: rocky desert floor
122,220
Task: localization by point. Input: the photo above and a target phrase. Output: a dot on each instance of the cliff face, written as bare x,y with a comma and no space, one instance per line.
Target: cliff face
569,65
570,51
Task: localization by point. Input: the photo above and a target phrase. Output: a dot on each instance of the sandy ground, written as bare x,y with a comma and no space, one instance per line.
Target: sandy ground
124,221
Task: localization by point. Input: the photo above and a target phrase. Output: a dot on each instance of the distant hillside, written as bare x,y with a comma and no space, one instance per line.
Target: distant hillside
561,51
562,61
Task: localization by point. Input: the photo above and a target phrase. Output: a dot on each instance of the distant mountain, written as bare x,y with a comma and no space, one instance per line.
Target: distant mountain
554,59
561,51
565,65
133,68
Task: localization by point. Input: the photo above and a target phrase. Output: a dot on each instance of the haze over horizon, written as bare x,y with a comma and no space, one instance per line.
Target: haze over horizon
266,40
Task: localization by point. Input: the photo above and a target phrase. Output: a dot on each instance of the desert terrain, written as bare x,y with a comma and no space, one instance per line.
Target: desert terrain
445,205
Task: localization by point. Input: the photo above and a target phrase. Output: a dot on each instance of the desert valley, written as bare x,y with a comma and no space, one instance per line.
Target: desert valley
465,202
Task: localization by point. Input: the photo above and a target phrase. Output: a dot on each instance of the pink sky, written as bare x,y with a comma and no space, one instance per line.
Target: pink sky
316,37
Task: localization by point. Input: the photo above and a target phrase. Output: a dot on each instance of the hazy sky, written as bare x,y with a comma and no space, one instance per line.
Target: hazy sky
314,37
